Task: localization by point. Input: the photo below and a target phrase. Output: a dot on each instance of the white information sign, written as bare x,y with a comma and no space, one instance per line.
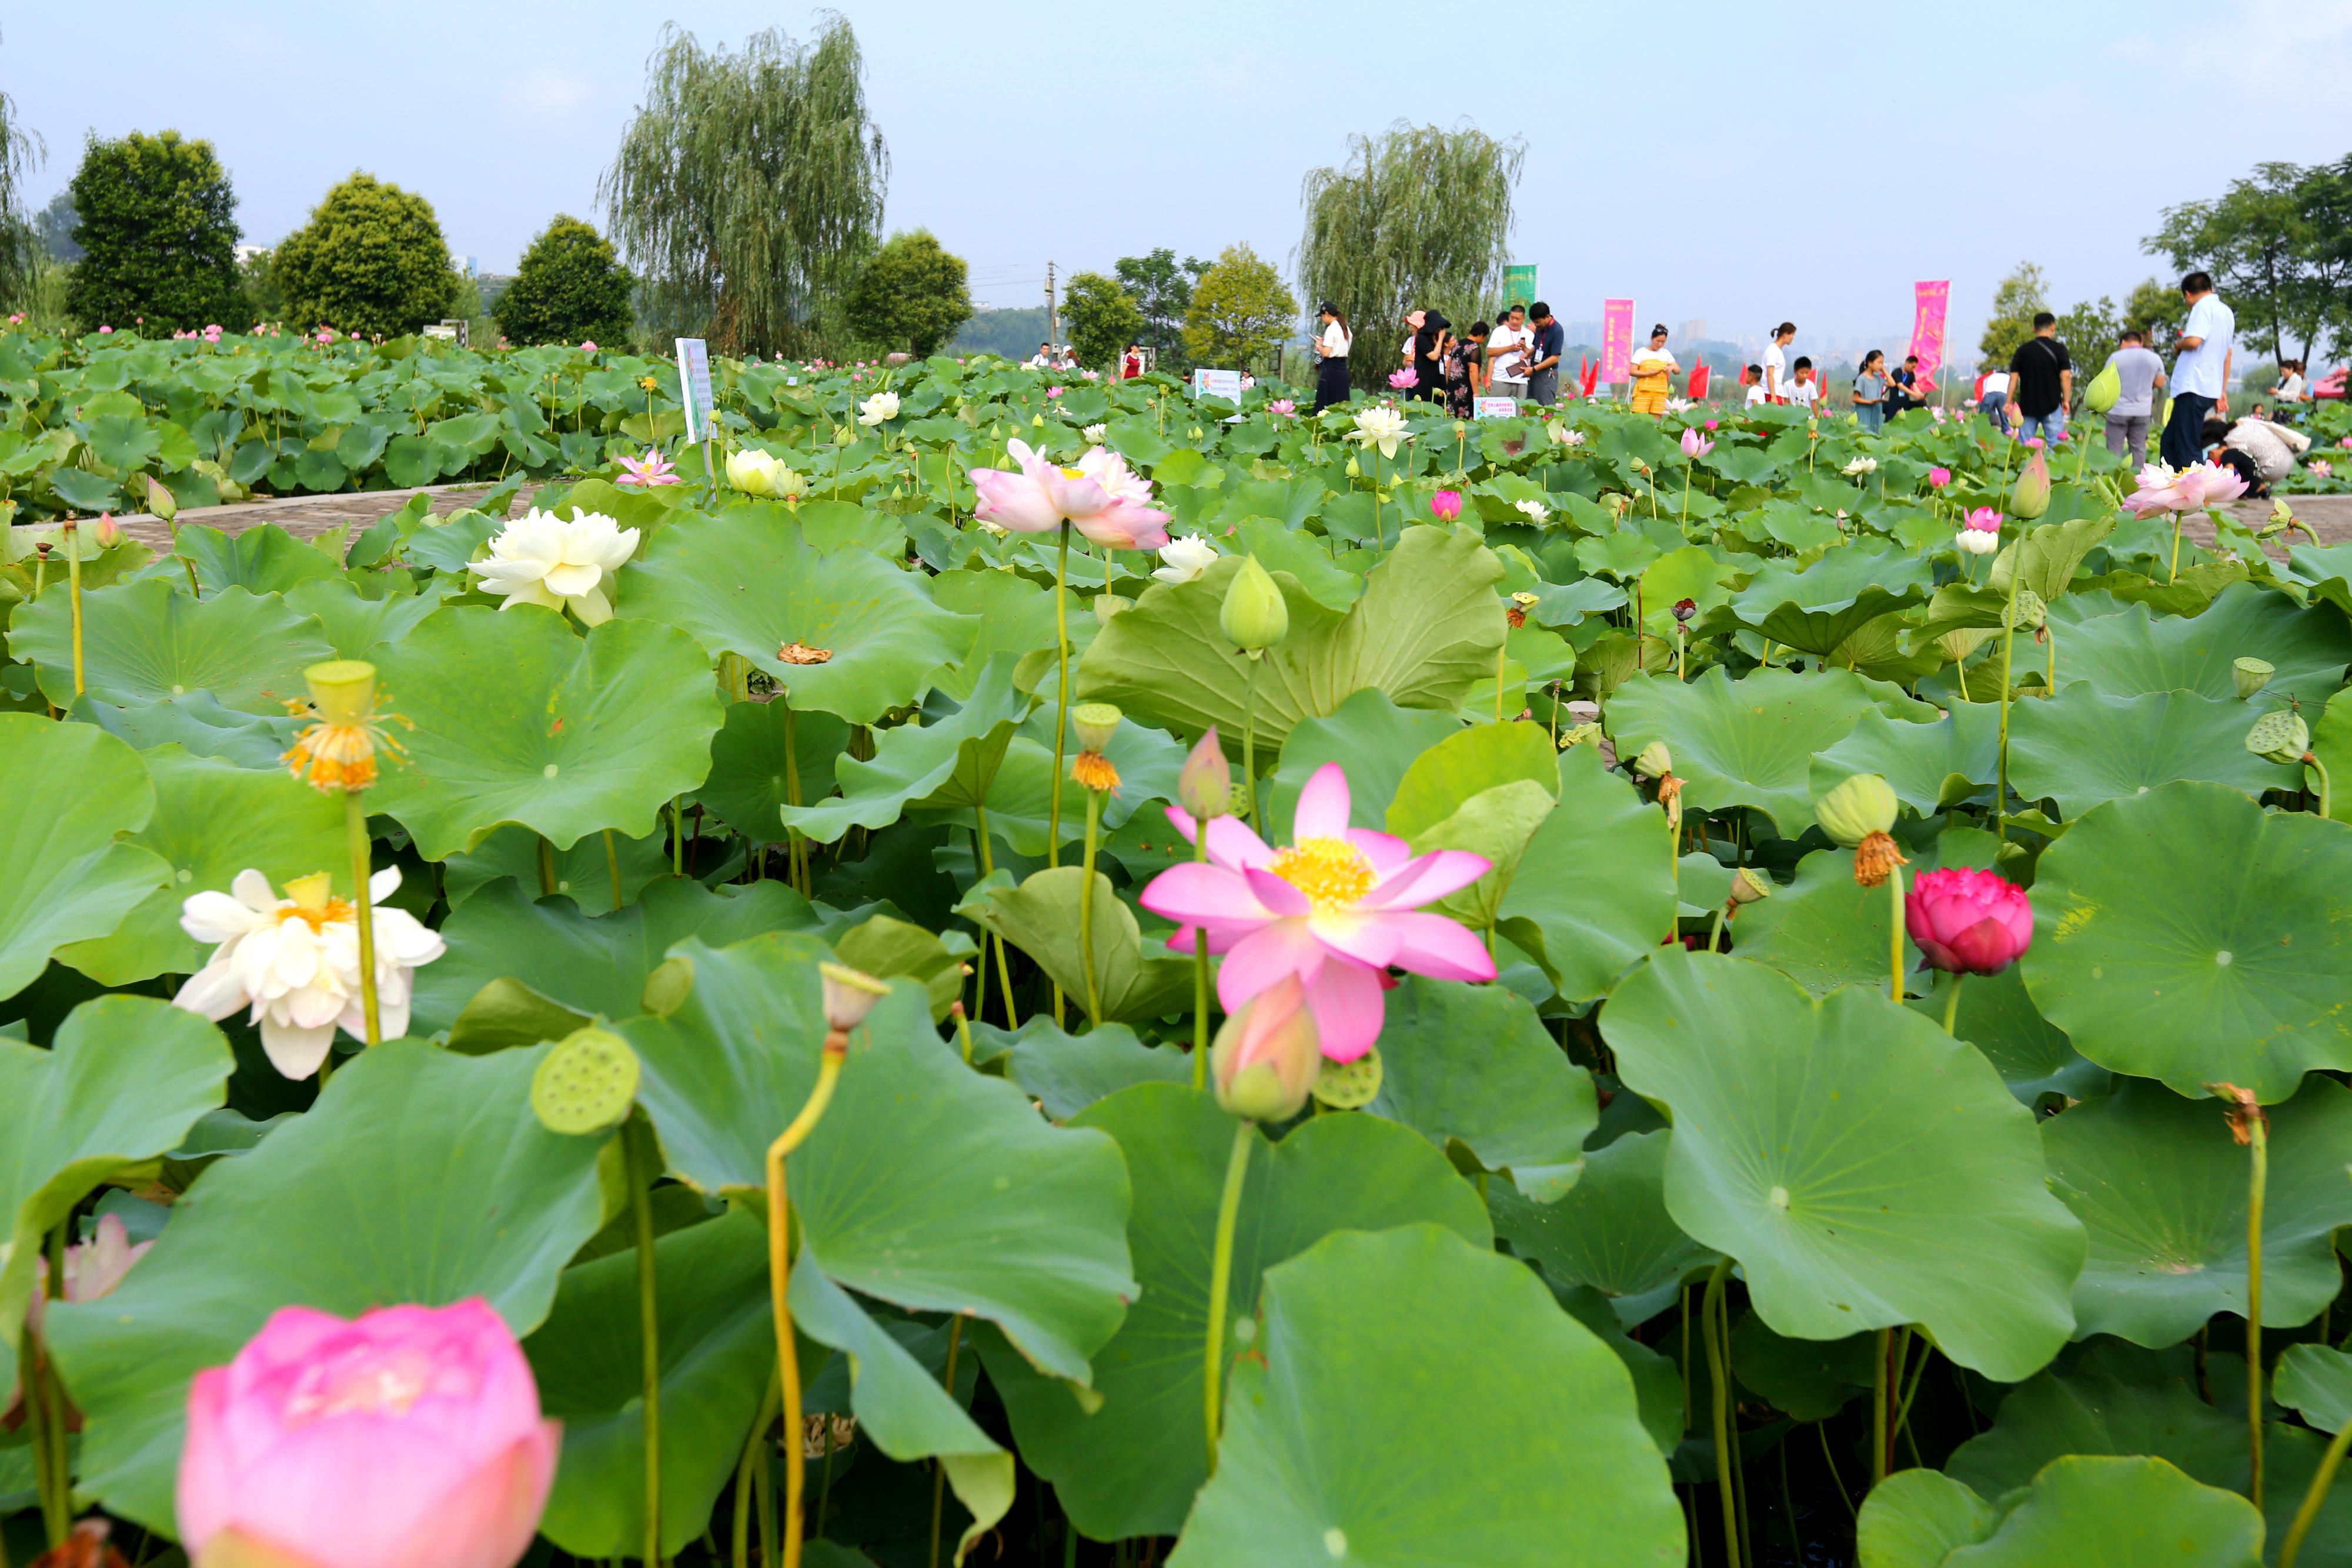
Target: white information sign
1497,408
1226,384
694,387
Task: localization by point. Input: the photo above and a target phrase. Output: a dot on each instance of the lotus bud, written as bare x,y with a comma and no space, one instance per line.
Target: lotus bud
785,484
342,690
1355,469
108,533
1096,724
1655,761
2104,389
2279,736
1747,885
2251,676
1255,617
1863,805
1204,785
849,995
1446,506
1267,1056
2029,497
160,502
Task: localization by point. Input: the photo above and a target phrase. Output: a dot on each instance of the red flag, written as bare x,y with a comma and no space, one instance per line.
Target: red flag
1698,380
1591,376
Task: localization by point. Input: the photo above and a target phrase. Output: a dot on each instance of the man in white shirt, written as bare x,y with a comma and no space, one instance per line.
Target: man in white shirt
1776,362
1507,346
2200,376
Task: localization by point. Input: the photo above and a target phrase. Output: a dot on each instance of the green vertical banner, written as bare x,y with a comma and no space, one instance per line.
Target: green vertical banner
1519,285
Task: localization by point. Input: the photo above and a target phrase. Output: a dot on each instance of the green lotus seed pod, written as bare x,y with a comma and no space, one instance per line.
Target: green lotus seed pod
1096,724
2279,736
2251,676
1350,1085
2030,497
2030,609
586,1085
1747,885
669,985
2104,389
1863,805
1254,616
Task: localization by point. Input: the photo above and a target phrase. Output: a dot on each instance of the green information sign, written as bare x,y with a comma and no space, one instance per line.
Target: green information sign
1519,285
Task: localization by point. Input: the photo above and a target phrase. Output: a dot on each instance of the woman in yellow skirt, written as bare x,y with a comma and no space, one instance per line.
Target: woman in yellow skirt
1654,375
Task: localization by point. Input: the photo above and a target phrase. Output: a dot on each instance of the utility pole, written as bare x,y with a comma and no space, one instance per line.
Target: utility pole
1053,312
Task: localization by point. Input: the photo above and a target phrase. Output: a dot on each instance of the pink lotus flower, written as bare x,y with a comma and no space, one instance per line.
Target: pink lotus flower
1337,909
1968,921
2034,442
1053,392
1283,406
1400,381
589,346
1711,425
1939,478
1101,496
2322,469
104,329
1694,445
93,1268
650,470
2346,442
1985,519
2193,489
409,1438
1446,505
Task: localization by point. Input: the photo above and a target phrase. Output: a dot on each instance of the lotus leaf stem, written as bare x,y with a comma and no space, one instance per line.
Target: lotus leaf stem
1221,1280
1821,1429
2312,759
780,1266
546,867
752,1451
1894,934
1062,709
2321,1481
2007,644
796,847
2258,1134
1501,649
938,1470
73,588
32,1381
1952,1005
613,865
634,1138
1718,1374
1879,1396
987,868
1086,909
1200,977
355,828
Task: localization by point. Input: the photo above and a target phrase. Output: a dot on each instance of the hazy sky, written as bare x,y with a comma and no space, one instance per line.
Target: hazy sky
1735,162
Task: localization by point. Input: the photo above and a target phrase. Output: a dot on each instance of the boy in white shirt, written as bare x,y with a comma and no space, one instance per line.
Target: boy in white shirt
1755,386
1806,389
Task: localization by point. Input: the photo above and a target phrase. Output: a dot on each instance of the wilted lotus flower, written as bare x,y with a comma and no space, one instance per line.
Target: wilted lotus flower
541,559
2029,497
1968,922
1939,478
879,409
1694,445
1857,814
410,1435
1561,435
1860,466
295,962
2251,676
1254,616
1267,1056
1184,559
93,1268
1446,506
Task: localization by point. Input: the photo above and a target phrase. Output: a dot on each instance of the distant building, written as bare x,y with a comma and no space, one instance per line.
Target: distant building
1692,332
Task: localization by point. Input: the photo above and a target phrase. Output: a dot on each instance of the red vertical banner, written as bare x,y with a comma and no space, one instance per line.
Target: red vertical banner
1930,302
1616,340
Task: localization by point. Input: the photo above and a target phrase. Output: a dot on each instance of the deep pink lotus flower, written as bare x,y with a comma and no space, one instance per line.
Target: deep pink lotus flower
2033,442
1695,445
1446,505
1968,921
1939,478
1336,908
1711,425
650,470
408,1437
1984,520
1106,500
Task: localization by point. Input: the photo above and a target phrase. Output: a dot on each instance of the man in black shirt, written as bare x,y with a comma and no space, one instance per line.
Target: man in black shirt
2042,381
1543,370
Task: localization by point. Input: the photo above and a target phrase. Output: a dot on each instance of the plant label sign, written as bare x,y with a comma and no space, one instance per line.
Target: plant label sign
694,387
1226,384
1496,408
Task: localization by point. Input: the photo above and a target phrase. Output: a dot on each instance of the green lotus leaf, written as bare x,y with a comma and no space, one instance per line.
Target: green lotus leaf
2161,1186
1019,800
73,791
2082,748
1751,742
213,820
264,560
2316,1384
1453,1452
1424,633
359,628
2331,742
198,725
1918,1519
2116,1401
1496,825
1041,918
2139,651
1914,1194
1371,738
583,873
1806,1379
1466,764
516,720
2182,935
1815,609
756,754
1132,1467
742,585
1825,931
145,642
419,1176
887,949
1015,616
2099,1512
1596,883
1930,767
952,762
2032,1056
1611,1231
2044,560
1067,1072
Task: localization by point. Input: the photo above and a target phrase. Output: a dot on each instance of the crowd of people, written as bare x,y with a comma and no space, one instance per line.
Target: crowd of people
1517,356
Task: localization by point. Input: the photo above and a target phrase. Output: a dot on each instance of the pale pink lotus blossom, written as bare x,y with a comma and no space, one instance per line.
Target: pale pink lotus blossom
1282,406
1336,908
2322,469
2193,489
93,1268
1985,519
588,346
106,329
1100,496
1694,445
650,470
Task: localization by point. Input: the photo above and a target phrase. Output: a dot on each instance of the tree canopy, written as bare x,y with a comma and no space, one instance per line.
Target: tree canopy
1102,318
1240,311
21,151
1161,288
156,217
2279,245
570,286
911,296
371,260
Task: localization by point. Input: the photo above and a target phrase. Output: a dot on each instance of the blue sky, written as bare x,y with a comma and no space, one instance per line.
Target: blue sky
1735,162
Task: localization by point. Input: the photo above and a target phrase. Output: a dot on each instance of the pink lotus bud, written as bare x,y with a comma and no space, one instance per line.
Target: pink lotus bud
1939,478
108,533
104,329
1446,506
407,1437
1267,1056
1711,425
1204,786
1695,445
1968,921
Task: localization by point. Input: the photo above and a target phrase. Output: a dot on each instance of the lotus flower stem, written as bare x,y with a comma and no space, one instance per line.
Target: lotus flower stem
780,1274
938,1470
1501,648
988,868
1822,1430
1895,895
1712,1312
1880,1392
2174,574
73,588
1086,909
1062,711
613,865
754,1448
2311,759
2258,1132
1952,1003
676,839
1221,1280
2008,645
636,1137
355,828
2321,1479
1715,933
33,1381
1249,740
796,851
1201,983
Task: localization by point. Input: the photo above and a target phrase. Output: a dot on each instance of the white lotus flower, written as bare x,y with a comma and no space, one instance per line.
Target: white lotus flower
295,961
1094,434
1979,541
541,559
1860,466
1381,426
1536,512
879,409
1563,436
1186,558
752,471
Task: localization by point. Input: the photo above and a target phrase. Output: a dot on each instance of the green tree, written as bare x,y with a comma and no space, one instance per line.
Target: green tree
1240,311
2258,241
570,286
1102,319
2089,330
371,260
2155,311
2015,299
748,189
1162,288
263,300
1416,218
155,215
911,296
21,152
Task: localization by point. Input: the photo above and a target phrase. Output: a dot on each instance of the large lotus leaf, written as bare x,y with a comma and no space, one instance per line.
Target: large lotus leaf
1041,918
1472,1064
1066,1073
1691,572
2161,1187
1413,1400
143,642
2316,1384
419,1176
1751,742
1915,1519
517,720
265,559
584,871
741,584
1595,888
1020,800
2112,1402
357,626
72,791
1496,825
1132,1467
718,1343
590,961
1015,616
1611,1231
2186,935
1929,767
1804,1379
212,821
1998,1017
1426,631
1815,609
2082,746
1823,930
198,723
1375,740
1466,764
2102,1511
926,1185
955,760
763,755
2044,562
1865,1167
2140,651
2331,743
121,1083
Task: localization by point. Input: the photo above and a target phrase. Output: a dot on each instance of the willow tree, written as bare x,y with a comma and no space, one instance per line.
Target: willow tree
749,186
21,151
1417,217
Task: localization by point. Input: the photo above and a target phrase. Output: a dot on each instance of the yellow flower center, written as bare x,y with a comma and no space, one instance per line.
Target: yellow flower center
1332,873
319,919
1074,473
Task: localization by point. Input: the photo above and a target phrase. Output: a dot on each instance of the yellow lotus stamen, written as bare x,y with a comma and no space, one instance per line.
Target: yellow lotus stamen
1332,873
1094,771
337,757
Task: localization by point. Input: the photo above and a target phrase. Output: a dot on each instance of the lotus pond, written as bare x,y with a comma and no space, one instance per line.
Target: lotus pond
1236,987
